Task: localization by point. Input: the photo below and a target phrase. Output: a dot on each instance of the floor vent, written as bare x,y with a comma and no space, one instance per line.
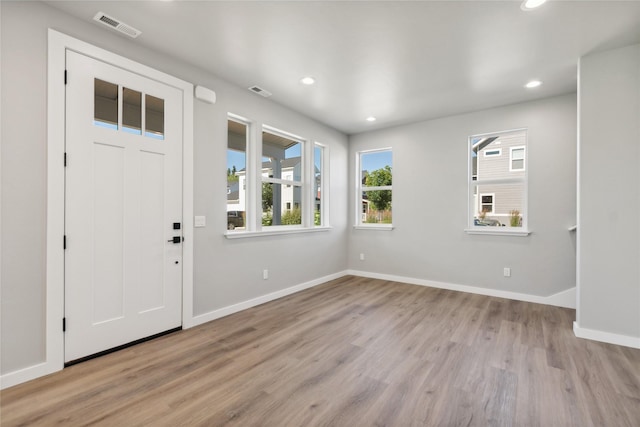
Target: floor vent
117,25
260,91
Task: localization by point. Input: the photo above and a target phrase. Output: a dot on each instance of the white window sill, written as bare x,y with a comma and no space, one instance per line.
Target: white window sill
273,231
379,227
495,231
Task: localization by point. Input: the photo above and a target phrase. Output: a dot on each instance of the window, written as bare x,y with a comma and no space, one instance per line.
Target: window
275,181
282,178
237,132
138,111
131,111
517,159
318,184
154,117
374,187
105,104
498,184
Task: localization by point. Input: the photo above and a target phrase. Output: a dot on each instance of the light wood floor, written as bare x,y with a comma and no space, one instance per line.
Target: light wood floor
352,352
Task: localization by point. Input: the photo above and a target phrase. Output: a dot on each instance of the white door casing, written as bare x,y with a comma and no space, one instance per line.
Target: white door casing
58,44
123,195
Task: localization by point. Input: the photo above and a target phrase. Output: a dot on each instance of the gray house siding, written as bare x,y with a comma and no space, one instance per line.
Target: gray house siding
496,161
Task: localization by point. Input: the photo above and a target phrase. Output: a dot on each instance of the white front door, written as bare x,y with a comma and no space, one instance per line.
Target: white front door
123,207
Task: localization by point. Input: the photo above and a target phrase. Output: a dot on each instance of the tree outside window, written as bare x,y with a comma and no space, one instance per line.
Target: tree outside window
376,178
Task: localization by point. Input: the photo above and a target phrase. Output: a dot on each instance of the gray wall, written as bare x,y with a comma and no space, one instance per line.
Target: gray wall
226,271
609,192
430,203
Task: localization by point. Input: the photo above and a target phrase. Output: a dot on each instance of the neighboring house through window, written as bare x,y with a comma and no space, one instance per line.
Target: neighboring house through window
498,182
282,178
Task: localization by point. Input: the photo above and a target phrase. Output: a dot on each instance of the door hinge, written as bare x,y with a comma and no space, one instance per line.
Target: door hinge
64,324
64,242
65,76
65,160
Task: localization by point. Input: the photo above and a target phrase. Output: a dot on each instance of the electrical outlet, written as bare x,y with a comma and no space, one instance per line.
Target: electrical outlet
507,272
265,274
361,257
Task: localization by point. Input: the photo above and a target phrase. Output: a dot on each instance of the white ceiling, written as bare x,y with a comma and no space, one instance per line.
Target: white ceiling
398,61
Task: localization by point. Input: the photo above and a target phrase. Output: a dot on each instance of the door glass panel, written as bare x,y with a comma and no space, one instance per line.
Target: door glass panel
154,117
131,111
105,104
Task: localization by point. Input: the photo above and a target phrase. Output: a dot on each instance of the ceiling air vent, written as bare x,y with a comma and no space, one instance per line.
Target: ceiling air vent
260,91
117,25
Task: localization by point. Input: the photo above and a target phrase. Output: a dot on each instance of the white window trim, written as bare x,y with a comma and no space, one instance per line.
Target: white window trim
524,160
276,230
497,231
248,172
379,227
359,188
254,180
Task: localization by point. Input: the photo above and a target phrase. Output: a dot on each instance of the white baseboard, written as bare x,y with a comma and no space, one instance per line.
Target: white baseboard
608,337
225,311
26,374
32,372
562,299
565,298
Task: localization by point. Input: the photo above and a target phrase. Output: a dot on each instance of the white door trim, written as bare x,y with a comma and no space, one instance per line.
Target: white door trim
58,44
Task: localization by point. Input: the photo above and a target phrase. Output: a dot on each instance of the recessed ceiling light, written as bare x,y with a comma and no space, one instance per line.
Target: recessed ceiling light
371,119
531,4
307,80
532,84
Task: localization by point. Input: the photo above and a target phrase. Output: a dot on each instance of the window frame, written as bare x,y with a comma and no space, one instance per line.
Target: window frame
474,182
303,183
248,173
360,188
254,179
323,188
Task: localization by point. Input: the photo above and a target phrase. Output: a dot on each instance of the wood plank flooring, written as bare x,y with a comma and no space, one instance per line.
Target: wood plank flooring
351,352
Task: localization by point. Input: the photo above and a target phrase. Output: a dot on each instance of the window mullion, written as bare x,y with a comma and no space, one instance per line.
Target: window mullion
254,178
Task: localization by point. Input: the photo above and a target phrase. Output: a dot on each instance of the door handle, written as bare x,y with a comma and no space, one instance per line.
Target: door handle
176,239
